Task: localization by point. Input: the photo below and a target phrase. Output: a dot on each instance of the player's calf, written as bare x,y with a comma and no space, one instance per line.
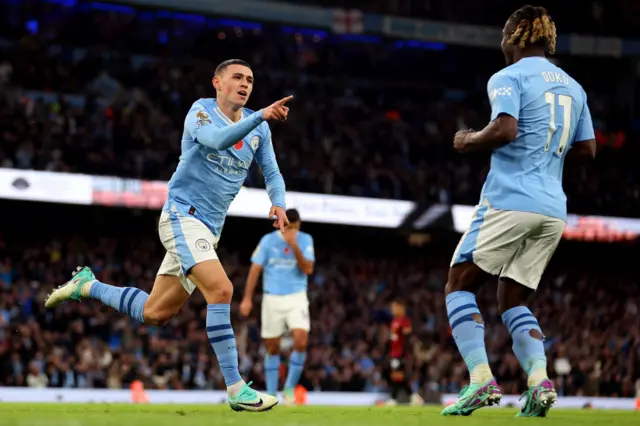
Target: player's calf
296,363
128,300
212,281
528,340
467,327
528,343
272,365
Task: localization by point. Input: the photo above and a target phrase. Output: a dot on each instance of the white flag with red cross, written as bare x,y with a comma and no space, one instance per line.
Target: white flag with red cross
347,21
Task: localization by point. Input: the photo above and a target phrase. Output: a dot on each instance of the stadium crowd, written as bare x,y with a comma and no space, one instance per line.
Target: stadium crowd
105,93
610,18
113,101
585,315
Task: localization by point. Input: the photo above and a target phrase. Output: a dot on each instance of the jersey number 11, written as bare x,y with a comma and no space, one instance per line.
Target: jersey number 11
565,102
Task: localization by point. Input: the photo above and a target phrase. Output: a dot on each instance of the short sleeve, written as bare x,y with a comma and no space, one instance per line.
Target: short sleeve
504,95
584,129
261,253
307,248
406,324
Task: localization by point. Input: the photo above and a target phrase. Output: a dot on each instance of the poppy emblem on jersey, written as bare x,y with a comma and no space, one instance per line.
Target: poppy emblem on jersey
255,141
203,245
286,250
238,146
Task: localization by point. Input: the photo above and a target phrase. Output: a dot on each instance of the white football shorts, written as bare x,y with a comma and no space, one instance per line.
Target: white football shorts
282,312
510,244
188,242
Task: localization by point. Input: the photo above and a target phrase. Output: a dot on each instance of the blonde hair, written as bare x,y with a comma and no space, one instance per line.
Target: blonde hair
533,25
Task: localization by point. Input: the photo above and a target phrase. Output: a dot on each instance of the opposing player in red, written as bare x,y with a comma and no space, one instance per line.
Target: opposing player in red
399,350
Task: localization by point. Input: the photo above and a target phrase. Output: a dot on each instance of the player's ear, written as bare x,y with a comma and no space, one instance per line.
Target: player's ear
216,82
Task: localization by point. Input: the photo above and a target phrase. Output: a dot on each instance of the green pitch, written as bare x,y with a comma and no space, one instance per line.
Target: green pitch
216,415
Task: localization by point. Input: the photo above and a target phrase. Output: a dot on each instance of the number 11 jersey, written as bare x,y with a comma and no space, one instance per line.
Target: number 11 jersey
552,113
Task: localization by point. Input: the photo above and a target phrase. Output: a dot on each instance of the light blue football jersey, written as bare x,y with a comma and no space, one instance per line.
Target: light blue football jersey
281,273
216,156
552,112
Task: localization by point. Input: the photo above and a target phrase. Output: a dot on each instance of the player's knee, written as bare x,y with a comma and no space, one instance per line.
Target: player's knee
450,288
512,294
156,317
300,346
222,291
211,280
273,346
218,291
300,341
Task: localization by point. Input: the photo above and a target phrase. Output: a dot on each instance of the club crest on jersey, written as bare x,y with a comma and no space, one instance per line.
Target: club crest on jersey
255,141
203,245
203,118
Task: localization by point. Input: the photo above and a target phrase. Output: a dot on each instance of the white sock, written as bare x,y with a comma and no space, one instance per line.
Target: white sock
234,389
481,374
536,376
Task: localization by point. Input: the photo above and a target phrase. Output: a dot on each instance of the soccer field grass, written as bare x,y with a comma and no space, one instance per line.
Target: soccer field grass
212,415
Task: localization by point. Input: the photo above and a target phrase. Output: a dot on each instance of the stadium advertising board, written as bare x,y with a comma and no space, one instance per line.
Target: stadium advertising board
581,228
30,185
361,399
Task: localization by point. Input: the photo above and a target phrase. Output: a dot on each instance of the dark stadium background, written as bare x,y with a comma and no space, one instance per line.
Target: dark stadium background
371,118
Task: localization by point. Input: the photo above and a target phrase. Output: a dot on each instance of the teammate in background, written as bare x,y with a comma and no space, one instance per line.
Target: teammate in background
220,140
287,259
538,114
399,350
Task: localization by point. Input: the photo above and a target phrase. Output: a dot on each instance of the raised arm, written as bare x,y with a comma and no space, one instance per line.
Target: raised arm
199,124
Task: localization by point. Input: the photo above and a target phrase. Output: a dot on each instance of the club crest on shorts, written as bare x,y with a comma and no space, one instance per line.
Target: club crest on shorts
203,245
255,141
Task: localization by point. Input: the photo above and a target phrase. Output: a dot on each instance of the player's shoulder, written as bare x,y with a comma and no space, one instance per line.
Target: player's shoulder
205,103
269,238
507,75
524,69
305,235
575,87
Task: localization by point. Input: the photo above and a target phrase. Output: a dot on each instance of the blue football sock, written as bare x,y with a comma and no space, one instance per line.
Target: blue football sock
272,372
468,334
128,300
528,349
296,364
223,341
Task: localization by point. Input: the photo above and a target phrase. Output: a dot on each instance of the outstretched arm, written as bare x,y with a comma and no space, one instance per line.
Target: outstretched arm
199,124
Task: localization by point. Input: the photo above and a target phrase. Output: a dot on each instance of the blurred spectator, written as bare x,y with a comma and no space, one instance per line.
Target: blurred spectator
584,312
74,105
101,93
